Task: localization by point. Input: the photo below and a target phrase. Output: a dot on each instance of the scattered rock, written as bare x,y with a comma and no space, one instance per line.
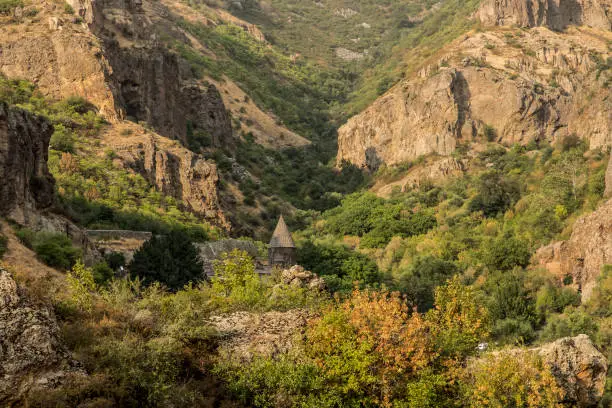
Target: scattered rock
299,277
348,55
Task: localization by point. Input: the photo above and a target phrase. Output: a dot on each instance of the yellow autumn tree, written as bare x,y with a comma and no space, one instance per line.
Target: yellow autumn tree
511,379
370,345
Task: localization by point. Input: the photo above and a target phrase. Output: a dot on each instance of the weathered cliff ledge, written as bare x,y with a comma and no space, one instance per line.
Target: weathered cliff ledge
173,170
27,185
554,14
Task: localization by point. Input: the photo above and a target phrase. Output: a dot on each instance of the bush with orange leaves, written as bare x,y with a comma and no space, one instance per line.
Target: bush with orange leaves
370,347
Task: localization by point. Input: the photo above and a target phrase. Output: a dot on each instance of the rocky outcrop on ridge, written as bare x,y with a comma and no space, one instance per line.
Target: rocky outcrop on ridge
508,86
26,185
31,355
554,14
585,253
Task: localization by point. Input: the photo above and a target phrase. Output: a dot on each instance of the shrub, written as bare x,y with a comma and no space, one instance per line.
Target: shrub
62,139
496,193
102,273
511,380
369,346
115,260
6,6
169,259
82,285
424,275
53,249
459,320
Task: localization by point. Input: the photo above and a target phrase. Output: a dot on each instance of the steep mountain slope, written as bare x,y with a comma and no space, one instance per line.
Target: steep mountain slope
504,84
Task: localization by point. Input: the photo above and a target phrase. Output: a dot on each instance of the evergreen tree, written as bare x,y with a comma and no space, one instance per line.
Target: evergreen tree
170,259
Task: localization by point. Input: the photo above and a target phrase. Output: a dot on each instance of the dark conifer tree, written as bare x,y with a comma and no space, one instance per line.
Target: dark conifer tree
170,259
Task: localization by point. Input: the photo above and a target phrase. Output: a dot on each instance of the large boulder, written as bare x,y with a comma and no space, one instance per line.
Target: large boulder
299,277
579,368
31,354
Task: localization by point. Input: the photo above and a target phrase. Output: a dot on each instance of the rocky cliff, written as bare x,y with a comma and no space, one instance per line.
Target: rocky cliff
503,85
585,253
149,83
27,185
555,14
174,170
31,354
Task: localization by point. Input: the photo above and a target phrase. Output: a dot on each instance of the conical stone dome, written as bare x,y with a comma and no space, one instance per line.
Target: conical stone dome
281,238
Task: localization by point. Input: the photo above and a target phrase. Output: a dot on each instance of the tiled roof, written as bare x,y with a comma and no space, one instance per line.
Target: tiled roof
281,237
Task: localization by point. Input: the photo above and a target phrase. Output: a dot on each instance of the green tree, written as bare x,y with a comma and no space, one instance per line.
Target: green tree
171,259
506,253
496,193
423,276
459,319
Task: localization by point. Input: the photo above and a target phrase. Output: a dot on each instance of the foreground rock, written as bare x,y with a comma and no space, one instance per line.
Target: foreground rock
245,334
579,368
31,355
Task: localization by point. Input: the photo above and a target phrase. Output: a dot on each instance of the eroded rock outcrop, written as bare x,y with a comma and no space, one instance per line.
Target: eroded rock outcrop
299,277
554,14
26,185
151,84
579,368
508,87
583,255
31,355
175,171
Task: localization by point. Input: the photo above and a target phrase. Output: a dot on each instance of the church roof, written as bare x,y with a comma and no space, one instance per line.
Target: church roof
281,238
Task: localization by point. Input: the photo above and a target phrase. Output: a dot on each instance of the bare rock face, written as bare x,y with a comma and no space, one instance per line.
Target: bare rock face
508,87
579,368
31,355
434,114
554,14
583,255
608,191
26,185
245,335
151,84
176,172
